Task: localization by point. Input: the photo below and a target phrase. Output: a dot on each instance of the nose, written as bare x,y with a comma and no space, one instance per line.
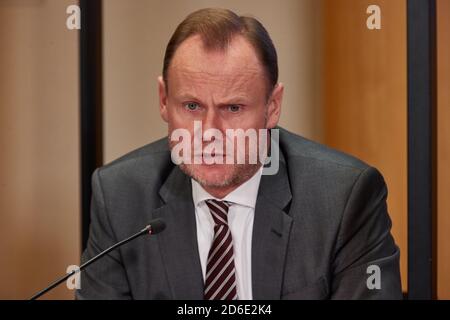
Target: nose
212,120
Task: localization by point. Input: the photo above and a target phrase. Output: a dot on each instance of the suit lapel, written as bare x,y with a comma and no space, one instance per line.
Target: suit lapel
178,243
271,229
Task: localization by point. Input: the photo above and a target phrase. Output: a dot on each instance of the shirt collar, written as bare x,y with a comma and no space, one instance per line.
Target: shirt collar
244,195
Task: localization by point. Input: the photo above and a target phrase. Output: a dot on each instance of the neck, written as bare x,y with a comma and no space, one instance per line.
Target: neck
221,192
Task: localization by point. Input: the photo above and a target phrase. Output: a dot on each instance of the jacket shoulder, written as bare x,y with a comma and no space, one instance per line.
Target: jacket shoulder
295,146
151,160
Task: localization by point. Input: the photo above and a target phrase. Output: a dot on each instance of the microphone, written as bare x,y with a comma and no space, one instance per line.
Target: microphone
154,227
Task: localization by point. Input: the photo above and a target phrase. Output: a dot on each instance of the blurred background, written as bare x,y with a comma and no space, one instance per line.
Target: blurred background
346,86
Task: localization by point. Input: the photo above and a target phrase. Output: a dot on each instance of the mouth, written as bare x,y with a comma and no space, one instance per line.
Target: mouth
210,159
209,155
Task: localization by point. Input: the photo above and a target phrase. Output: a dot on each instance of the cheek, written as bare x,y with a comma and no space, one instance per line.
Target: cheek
179,121
175,119
255,119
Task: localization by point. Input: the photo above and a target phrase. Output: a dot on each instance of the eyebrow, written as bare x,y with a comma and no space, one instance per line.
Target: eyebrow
186,96
227,101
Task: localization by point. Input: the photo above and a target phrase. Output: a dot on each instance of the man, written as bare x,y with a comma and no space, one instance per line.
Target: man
317,229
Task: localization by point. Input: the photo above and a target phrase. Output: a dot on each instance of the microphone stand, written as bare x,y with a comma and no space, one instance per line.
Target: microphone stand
146,230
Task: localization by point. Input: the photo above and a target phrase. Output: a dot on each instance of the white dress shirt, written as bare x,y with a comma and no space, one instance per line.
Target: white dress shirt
240,221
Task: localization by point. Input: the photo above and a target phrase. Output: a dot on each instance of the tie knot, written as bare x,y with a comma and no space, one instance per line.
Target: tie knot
219,211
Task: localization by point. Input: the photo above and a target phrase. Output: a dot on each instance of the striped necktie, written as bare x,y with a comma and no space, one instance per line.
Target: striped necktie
220,283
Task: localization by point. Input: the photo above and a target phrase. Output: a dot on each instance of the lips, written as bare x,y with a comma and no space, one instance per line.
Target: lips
210,155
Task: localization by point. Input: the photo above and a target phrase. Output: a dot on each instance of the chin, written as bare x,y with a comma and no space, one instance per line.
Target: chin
214,175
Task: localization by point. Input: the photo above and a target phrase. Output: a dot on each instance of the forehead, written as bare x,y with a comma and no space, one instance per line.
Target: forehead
235,65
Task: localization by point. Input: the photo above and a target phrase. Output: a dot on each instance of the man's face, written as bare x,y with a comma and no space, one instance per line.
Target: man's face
222,89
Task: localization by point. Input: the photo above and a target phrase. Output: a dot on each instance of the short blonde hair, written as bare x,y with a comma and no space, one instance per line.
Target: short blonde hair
217,27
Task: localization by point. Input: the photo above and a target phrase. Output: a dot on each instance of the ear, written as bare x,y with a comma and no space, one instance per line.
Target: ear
162,99
274,107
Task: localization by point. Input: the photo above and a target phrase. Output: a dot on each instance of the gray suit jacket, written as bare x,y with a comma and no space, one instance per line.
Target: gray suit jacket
319,223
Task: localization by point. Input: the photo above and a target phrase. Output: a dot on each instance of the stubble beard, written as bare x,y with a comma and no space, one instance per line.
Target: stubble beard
238,174
233,176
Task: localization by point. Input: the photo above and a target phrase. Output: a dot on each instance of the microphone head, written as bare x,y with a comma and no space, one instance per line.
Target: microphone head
157,225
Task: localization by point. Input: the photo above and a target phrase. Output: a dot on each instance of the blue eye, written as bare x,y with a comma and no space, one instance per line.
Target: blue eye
234,108
191,106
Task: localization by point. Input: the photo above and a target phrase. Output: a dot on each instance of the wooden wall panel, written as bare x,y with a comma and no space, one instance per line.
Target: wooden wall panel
39,157
365,96
443,174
